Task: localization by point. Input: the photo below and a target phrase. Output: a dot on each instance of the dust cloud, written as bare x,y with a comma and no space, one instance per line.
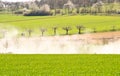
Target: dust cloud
74,44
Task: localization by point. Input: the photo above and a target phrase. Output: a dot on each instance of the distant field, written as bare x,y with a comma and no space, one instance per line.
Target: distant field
101,23
59,65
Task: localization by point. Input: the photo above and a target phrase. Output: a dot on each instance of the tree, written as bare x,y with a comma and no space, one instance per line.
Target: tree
55,6
43,11
33,6
94,30
3,32
29,32
45,8
67,29
37,2
55,29
69,6
113,28
43,30
22,34
79,27
1,6
98,7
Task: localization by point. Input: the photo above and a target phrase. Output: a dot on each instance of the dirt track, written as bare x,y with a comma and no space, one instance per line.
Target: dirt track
69,44
103,38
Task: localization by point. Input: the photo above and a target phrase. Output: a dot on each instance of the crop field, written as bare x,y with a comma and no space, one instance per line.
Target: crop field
21,23
59,65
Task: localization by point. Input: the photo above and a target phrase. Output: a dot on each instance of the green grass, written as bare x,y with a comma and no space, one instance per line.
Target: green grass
59,65
102,23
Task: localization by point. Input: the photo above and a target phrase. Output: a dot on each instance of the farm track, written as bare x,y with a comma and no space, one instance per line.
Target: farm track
43,45
87,35
95,38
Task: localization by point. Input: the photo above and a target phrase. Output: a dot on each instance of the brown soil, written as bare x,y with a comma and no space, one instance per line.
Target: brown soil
98,38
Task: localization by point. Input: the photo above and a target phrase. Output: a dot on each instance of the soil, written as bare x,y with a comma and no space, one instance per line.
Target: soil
97,38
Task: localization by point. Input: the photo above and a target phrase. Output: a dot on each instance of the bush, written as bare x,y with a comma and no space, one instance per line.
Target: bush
118,11
18,12
63,12
38,13
58,11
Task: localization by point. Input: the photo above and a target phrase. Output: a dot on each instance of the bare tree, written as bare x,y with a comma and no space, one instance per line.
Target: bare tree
113,28
55,29
3,32
29,32
79,27
22,34
94,30
67,29
43,30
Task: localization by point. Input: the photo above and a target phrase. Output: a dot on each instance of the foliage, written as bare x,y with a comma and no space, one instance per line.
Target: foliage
18,12
45,8
89,6
43,11
37,13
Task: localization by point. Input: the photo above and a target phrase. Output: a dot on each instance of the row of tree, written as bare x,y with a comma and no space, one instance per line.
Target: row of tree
80,3
80,28
67,29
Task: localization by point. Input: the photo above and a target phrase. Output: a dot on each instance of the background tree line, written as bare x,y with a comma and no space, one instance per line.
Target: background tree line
53,7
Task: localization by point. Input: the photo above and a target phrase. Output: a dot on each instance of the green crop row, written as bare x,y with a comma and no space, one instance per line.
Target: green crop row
59,65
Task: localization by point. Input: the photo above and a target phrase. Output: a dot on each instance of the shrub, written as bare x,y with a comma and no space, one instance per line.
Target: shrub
18,12
38,13
118,11
58,11
43,11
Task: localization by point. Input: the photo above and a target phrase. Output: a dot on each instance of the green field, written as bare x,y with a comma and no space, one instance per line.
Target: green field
101,23
59,65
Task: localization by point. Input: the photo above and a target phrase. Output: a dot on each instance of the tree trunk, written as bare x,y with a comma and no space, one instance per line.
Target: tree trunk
79,31
67,32
54,31
42,33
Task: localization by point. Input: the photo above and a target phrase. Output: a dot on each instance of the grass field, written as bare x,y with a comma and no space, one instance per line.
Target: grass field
101,23
59,65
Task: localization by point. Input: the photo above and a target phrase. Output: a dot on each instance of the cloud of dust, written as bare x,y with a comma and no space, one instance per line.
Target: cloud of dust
53,45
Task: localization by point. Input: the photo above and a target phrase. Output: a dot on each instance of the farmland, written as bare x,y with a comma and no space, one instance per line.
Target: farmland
101,23
59,65
60,38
